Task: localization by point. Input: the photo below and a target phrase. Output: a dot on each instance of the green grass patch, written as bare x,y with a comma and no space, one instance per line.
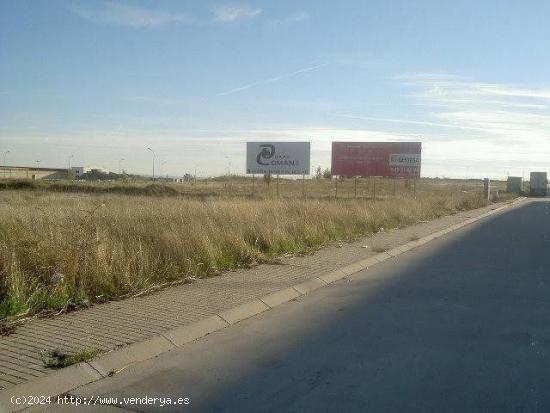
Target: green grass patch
57,359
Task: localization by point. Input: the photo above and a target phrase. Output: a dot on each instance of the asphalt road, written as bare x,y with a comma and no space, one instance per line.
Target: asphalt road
461,324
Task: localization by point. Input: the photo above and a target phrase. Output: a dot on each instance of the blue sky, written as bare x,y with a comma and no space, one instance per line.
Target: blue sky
195,80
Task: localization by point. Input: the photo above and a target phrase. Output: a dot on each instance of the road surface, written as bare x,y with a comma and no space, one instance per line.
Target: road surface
461,324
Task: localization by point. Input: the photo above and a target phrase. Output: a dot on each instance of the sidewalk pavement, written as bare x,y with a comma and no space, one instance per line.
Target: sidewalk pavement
113,325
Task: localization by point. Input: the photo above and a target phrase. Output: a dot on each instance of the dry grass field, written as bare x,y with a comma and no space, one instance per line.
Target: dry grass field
68,248
239,186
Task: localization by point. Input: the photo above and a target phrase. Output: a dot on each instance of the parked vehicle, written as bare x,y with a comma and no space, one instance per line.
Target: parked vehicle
538,184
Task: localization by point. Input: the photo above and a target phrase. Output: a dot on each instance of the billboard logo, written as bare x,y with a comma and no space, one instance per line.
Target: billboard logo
405,159
266,153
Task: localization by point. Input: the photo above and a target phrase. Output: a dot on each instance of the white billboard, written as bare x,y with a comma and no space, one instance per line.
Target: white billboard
277,158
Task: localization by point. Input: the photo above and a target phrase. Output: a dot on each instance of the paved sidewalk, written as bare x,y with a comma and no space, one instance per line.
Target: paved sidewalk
109,326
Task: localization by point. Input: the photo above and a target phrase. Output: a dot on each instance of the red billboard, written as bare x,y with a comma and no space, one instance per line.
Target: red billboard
386,159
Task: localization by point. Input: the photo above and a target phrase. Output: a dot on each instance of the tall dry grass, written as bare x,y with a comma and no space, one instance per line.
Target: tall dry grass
242,186
60,248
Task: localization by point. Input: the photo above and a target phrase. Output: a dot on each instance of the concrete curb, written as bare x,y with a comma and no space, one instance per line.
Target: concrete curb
110,363
243,311
310,285
280,297
53,384
184,335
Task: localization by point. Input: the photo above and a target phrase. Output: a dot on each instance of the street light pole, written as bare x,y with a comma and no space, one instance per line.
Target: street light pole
69,171
5,165
153,152
228,157
161,162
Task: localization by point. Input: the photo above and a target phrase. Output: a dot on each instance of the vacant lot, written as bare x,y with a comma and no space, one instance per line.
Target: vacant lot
60,250
258,187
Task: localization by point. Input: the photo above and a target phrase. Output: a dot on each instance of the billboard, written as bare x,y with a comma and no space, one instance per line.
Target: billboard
277,158
386,159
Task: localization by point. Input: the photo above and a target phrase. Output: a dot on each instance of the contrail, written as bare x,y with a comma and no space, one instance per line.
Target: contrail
272,80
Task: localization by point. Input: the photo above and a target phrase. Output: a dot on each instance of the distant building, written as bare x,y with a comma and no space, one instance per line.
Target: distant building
80,170
98,170
27,172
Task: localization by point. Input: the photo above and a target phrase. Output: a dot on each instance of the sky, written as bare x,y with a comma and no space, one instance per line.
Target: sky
95,83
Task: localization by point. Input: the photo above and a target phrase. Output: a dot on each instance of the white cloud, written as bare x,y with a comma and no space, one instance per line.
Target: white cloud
454,87
426,78
405,121
133,16
228,14
517,92
474,129
519,114
158,100
292,18
181,149
453,155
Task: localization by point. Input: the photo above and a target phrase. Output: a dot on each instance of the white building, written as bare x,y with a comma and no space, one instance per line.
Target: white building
80,170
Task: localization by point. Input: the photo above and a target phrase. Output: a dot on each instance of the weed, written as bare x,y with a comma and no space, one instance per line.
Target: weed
56,359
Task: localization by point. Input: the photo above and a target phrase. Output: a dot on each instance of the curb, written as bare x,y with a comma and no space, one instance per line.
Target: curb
108,364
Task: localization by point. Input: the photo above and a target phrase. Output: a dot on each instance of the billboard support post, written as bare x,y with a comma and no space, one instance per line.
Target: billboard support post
277,185
304,186
487,188
336,188
373,187
394,187
414,188
355,186
253,179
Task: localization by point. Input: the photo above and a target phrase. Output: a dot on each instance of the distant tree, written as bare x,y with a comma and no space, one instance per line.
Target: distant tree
327,174
97,175
187,177
267,178
318,173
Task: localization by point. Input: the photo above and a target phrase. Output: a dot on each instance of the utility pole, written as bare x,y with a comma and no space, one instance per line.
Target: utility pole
119,168
154,157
